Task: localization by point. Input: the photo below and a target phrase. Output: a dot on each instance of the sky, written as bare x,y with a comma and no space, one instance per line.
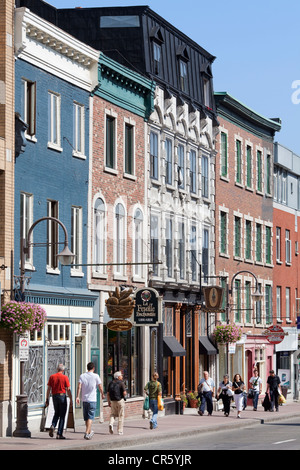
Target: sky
257,48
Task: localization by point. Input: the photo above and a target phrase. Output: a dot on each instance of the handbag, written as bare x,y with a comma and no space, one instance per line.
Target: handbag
250,393
229,392
146,403
160,403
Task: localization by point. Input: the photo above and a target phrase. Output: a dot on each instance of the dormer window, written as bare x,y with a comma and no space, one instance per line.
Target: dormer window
156,57
206,77
157,41
183,58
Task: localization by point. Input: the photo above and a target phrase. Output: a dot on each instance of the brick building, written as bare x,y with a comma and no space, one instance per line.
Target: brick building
7,157
244,228
286,291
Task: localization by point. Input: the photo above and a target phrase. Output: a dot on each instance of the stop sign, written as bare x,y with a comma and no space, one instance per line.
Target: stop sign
275,334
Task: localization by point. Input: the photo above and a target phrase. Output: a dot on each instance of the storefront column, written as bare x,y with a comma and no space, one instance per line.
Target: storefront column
196,346
177,359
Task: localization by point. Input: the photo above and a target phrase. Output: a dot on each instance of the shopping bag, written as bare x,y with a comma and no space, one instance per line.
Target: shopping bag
146,403
281,399
160,403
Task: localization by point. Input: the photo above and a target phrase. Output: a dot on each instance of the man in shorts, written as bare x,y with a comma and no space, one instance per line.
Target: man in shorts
88,384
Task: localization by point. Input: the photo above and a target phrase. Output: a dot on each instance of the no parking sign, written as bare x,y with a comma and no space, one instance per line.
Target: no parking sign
24,347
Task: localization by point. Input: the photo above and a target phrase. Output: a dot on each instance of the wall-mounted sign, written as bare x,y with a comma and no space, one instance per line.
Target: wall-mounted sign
275,334
119,325
213,296
24,347
147,307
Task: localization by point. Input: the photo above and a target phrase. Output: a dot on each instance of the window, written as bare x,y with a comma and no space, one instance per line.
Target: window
224,158
156,57
122,21
129,149
52,235
278,244
169,246
183,75
238,156
154,243
193,174
193,248
248,240
237,301
278,303
181,250
54,105
287,303
110,160
249,167
30,107
99,236
237,236
287,247
206,91
153,155
258,308
268,245
258,244
120,238
223,232
259,171
76,237
269,174
26,217
205,254
138,242
169,162
268,304
204,176
78,126
181,167
248,301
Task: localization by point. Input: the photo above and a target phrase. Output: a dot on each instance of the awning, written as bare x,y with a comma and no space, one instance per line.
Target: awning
172,347
206,347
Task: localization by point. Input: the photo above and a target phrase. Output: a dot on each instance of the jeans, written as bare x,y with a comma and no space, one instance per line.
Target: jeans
60,409
255,399
206,398
274,395
154,409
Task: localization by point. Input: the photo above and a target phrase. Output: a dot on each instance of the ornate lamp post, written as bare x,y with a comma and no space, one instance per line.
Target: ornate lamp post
65,257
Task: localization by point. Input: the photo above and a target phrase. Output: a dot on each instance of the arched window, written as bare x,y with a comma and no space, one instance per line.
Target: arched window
120,239
99,236
138,243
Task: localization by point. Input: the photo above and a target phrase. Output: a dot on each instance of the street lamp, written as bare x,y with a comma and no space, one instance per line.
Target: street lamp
65,257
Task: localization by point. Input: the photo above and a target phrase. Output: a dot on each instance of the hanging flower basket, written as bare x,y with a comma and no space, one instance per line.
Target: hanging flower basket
20,317
224,334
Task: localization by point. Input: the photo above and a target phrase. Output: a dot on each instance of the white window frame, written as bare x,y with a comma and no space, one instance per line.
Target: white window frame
78,130
138,243
30,109
76,240
54,124
26,222
99,237
120,240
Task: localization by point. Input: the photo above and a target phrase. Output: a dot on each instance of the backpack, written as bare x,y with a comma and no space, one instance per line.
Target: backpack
114,390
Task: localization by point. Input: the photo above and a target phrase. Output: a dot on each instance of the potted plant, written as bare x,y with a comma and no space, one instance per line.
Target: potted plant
224,334
184,400
20,317
192,400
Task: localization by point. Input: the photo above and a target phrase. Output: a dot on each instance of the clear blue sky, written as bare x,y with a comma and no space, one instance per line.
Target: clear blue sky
257,49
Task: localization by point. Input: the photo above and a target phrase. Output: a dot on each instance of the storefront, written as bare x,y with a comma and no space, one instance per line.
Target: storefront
286,362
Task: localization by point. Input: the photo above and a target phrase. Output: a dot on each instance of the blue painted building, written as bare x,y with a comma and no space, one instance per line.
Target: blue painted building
54,77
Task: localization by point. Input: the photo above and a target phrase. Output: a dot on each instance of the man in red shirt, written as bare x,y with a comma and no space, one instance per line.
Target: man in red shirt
59,385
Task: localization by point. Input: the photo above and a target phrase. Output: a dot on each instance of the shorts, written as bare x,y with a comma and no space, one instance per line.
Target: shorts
89,409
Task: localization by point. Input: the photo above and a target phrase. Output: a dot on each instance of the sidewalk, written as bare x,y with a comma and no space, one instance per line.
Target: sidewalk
137,431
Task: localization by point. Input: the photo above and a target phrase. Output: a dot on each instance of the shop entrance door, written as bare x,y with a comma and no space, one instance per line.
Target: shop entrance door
95,358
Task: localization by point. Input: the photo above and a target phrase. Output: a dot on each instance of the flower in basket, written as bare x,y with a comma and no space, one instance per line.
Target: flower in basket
191,396
22,316
227,333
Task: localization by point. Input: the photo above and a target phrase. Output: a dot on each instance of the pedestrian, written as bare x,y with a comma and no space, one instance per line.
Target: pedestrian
116,396
153,389
238,387
256,388
87,385
225,393
273,389
59,386
206,391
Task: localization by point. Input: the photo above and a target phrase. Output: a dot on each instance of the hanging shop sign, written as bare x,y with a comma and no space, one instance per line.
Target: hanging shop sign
213,296
275,334
147,310
119,325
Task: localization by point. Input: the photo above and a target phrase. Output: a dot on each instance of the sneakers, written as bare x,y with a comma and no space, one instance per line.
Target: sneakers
111,429
89,436
120,433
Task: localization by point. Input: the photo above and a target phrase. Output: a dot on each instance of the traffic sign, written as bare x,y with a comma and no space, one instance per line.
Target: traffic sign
24,348
275,334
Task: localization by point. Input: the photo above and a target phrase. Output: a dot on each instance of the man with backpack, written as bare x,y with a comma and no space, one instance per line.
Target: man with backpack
116,396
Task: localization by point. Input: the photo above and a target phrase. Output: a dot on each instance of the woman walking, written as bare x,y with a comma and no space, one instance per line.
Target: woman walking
153,389
238,388
225,393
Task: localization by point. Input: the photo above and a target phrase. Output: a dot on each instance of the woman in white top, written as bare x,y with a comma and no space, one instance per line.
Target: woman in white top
256,383
238,387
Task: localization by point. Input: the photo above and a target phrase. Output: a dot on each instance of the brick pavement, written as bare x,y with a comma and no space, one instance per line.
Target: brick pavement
137,431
